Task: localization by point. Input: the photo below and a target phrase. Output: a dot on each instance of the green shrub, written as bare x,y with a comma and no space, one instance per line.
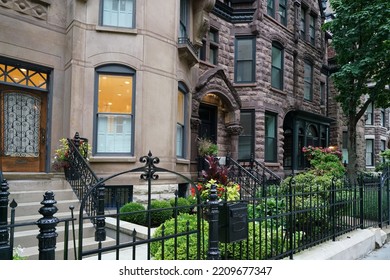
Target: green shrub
183,204
133,212
161,211
265,240
185,222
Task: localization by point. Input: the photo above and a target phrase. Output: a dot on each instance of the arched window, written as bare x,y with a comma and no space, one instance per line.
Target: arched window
312,138
114,109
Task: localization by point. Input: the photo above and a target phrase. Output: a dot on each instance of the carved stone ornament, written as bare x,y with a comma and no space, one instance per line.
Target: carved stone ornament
234,129
201,19
34,8
195,123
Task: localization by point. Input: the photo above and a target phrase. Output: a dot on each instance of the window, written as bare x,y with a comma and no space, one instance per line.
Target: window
302,25
308,26
308,81
114,110
245,60
119,13
322,93
312,30
383,118
246,138
184,18
277,67
277,9
383,148
370,114
209,50
369,152
345,147
270,148
180,121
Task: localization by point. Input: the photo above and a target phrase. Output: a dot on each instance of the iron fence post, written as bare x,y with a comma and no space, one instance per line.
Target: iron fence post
5,248
361,196
100,233
47,227
380,206
213,252
333,207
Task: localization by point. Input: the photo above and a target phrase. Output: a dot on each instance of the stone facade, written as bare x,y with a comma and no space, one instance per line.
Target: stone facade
68,41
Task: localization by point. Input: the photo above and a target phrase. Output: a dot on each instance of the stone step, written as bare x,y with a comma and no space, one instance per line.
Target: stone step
28,238
36,185
89,243
37,195
28,208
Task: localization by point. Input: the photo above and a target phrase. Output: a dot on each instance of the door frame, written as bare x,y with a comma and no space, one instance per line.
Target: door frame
26,164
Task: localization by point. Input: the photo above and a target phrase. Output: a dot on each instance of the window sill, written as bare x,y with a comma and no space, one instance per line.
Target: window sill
206,63
244,84
278,91
182,161
113,29
112,159
271,164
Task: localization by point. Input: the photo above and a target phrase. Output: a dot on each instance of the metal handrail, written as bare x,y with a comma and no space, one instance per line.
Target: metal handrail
80,176
249,183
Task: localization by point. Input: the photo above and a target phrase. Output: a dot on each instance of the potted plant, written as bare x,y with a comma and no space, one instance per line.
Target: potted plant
206,147
62,160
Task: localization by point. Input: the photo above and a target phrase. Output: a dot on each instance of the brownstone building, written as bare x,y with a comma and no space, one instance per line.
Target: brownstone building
267,90
251,75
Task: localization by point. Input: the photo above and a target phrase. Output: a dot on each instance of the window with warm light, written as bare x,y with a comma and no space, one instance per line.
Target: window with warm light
118,13
20,76
114,110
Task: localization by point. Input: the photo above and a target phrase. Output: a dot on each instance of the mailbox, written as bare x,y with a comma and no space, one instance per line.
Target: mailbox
233,222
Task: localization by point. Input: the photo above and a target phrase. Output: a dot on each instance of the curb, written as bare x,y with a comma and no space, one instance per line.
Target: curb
350,246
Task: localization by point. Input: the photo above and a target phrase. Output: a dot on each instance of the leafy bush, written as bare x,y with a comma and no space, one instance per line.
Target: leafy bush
185,222
183,204
265,240
161,211
133,212
324,160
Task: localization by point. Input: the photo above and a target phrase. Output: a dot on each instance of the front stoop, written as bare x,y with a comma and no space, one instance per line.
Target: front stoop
28,189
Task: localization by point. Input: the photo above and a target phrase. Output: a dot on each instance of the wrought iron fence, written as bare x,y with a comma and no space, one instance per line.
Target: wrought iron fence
275,223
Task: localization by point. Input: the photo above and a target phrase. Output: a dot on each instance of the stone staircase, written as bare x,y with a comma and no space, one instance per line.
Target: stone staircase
27,189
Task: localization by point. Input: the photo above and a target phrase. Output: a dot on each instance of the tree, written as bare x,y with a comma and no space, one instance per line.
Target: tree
361,40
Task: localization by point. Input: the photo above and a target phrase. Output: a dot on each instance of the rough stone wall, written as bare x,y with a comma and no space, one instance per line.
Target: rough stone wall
259,96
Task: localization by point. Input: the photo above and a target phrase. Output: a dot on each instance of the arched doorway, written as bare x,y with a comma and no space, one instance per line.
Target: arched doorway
215,114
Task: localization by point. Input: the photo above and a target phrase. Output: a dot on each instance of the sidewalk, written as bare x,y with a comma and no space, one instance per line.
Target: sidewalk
354,245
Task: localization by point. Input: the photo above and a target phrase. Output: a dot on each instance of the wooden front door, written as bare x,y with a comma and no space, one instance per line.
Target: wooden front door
23,129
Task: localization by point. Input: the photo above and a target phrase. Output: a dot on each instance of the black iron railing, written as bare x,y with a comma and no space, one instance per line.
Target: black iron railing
186,41
249,183
79,174
279,221
260,171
